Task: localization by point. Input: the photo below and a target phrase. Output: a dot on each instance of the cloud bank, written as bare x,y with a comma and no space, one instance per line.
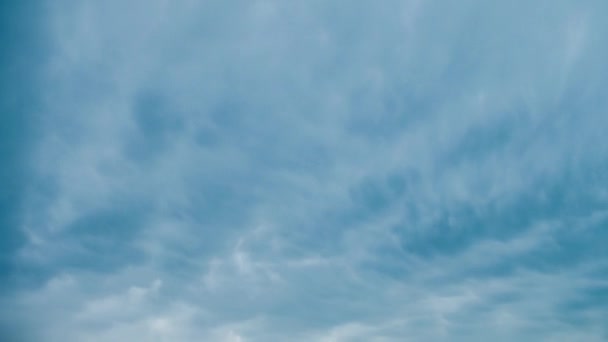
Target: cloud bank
306,171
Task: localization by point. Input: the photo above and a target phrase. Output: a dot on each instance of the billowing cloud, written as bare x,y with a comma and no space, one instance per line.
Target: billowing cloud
312,171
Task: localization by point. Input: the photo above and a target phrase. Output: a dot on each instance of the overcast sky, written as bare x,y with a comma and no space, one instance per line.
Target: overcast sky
325,171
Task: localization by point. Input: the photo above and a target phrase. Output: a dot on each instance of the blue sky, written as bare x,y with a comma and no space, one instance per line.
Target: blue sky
329,171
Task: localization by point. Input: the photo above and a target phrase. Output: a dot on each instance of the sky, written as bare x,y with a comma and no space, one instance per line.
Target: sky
325,171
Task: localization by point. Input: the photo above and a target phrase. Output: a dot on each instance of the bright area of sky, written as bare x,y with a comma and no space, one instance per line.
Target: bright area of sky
331,171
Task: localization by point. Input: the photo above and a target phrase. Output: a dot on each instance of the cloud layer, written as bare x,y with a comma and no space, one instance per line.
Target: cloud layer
310,171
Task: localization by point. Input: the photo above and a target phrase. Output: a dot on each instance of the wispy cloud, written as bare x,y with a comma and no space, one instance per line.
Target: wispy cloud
264,171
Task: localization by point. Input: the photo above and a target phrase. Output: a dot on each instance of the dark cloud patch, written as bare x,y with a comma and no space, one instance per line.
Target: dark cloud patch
158,120
104,239
567,204
22,56
207,137
374,196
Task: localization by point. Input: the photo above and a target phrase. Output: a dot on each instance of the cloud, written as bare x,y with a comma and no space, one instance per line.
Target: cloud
264,171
